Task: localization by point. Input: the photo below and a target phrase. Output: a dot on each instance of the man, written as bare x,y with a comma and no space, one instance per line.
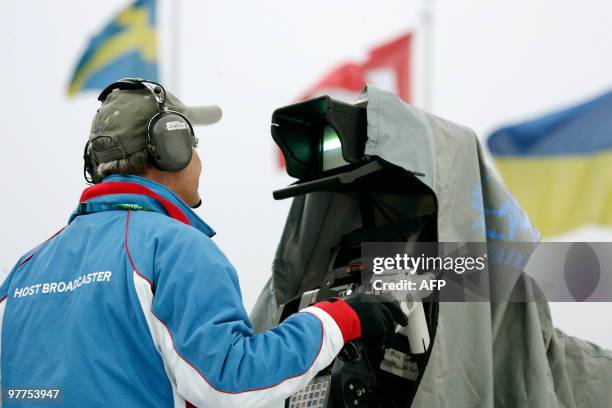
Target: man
132,304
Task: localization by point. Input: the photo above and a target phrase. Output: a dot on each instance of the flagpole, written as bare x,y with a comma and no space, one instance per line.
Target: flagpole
175,45
427,29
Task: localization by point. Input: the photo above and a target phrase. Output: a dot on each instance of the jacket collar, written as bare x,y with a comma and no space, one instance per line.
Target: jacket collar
137,193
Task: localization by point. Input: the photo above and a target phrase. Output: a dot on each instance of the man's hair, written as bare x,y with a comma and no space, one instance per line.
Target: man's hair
135,163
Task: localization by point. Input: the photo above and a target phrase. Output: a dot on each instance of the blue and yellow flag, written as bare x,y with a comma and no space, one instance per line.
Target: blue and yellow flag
559,166
127,47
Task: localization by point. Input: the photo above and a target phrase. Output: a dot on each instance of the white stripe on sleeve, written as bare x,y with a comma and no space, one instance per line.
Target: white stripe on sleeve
193,387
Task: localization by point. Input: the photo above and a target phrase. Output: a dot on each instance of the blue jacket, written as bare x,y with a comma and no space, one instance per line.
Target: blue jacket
133,305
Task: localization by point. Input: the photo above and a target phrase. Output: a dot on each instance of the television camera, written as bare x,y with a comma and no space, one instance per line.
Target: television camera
323,142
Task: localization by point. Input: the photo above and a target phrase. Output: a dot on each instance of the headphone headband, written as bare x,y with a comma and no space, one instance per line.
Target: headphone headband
129,84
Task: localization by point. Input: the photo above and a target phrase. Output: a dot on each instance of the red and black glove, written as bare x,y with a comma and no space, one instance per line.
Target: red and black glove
377,317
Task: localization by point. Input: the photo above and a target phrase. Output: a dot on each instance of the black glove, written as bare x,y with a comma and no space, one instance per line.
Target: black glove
379,316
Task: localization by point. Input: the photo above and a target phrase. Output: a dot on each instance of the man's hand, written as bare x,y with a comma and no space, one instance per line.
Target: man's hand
379,316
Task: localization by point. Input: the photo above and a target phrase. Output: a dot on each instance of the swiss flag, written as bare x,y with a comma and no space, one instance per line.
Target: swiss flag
386,66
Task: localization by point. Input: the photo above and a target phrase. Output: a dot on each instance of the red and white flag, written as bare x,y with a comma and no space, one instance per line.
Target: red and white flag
386,66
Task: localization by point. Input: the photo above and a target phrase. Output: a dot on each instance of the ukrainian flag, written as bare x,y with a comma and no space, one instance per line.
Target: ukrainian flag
127,47
559,166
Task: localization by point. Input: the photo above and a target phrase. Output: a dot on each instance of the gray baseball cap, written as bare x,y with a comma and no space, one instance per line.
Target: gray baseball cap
125,114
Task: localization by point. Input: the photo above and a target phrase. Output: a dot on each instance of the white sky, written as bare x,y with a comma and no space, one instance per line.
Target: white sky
494,62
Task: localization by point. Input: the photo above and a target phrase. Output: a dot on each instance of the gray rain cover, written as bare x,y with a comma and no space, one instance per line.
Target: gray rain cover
485,354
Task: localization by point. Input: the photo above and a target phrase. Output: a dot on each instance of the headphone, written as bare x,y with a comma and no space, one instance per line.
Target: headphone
169,137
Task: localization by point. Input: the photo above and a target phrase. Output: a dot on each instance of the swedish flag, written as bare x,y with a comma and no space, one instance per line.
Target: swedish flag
559,166
127,47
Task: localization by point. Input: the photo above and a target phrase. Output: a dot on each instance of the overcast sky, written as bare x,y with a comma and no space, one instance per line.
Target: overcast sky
494,62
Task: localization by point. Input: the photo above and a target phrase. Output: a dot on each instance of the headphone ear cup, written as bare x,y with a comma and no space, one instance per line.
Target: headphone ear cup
90,165
170,141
